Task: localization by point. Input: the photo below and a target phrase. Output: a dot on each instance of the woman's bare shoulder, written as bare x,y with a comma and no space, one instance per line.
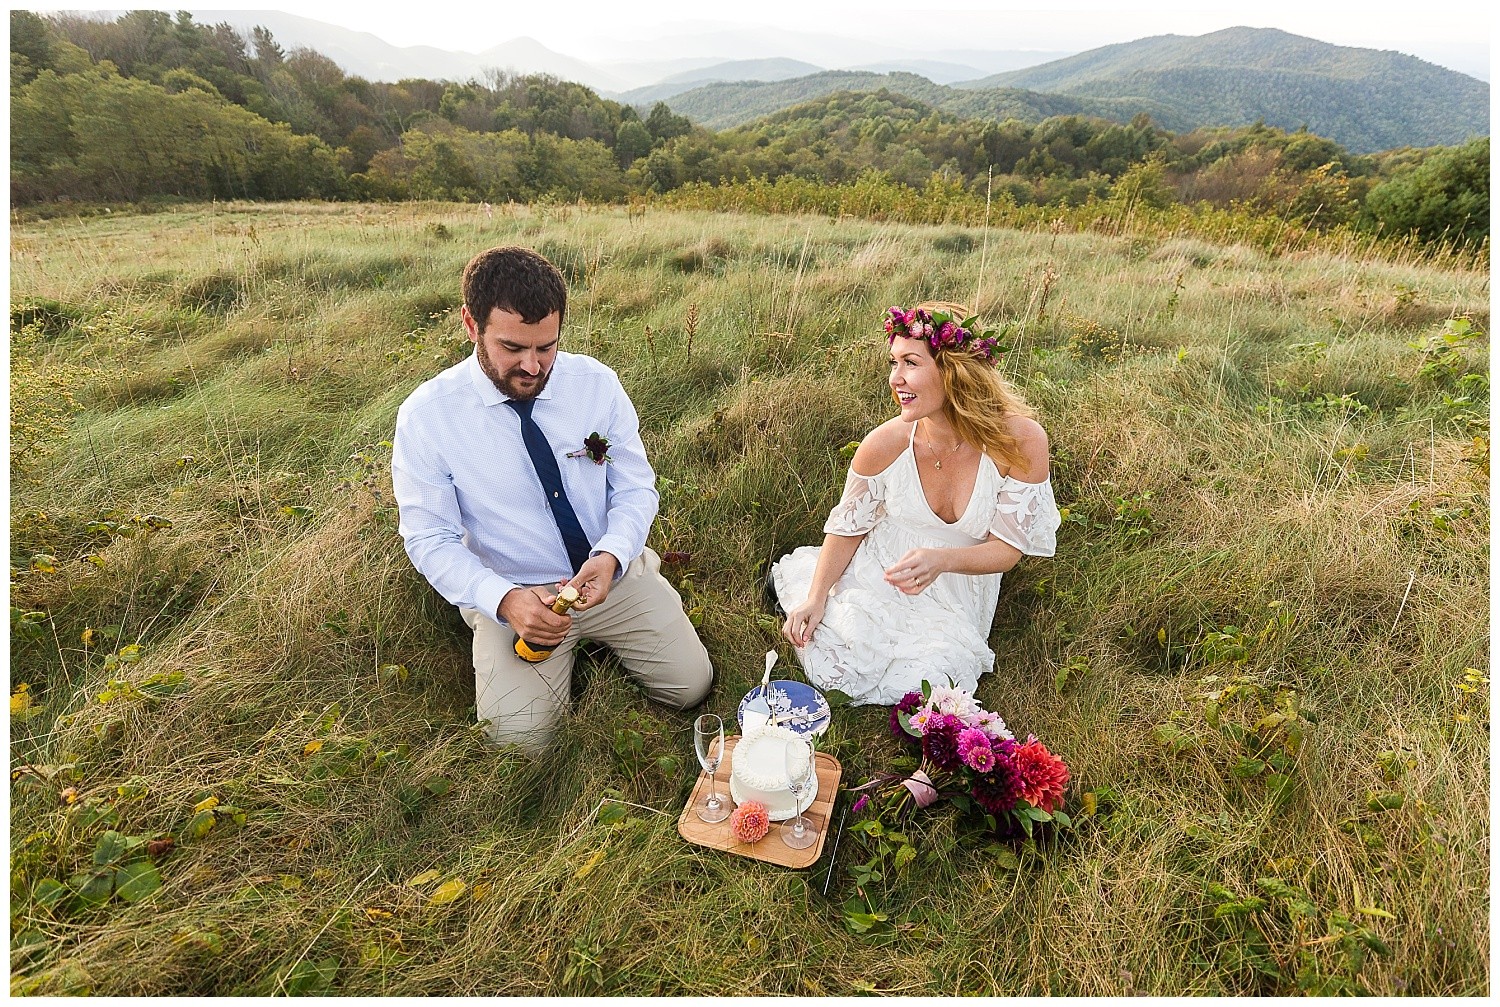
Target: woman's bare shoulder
882,446
1035,449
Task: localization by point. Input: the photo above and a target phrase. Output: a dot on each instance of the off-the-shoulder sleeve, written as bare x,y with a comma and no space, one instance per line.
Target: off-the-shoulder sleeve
861,508
1026,516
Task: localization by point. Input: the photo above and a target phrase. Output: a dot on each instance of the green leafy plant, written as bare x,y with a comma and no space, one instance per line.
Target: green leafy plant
1133,515
1285,935
1441,353
584,972
1260,728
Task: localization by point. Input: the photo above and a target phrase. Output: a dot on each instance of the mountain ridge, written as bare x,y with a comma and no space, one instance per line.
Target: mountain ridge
1365,99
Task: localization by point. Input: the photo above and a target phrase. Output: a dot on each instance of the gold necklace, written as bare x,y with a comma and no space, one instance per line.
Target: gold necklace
937,462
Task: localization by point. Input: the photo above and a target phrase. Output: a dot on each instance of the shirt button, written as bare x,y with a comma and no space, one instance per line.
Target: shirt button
554,495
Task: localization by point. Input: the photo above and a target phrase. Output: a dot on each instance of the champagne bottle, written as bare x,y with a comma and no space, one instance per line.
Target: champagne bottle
566,599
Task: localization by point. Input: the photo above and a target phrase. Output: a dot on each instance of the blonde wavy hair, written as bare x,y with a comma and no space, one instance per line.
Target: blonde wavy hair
977,400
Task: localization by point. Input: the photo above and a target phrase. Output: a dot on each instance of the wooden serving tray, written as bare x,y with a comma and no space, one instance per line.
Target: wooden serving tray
770,849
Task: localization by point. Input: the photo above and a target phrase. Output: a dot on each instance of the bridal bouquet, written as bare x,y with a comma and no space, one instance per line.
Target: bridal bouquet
970,758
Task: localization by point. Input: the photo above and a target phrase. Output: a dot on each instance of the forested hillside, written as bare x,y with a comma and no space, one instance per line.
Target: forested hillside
151,106
734,103
1367,99
740,69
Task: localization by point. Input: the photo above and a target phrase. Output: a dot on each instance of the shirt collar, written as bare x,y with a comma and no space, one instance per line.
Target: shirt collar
492,396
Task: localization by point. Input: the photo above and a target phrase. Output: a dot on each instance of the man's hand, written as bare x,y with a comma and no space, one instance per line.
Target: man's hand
594,579
529,612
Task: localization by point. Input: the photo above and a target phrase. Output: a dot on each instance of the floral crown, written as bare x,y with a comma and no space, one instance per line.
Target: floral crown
942,331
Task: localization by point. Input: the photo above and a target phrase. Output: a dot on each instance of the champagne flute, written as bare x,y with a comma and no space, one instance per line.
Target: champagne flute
708,741
799,833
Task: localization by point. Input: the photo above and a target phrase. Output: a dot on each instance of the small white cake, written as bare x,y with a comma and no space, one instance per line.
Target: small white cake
758,772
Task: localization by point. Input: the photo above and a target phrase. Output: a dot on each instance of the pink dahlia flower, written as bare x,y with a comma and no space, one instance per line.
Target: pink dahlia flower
969,738
992,725
750,822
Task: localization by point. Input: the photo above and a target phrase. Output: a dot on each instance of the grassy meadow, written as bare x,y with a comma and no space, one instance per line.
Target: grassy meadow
242,750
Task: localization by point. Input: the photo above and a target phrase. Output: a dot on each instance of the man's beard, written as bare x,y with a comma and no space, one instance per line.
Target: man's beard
515,383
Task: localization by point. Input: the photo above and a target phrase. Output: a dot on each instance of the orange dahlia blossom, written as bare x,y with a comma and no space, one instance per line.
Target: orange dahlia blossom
1044,776
750,822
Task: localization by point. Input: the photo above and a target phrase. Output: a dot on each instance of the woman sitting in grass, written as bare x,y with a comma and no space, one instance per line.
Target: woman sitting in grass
940,501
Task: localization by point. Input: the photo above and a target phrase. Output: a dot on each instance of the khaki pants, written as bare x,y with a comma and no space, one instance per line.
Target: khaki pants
642,621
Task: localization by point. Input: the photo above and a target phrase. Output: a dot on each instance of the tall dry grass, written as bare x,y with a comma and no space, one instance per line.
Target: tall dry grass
1260,481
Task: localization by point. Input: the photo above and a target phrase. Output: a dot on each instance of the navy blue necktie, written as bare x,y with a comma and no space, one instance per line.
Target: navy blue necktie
545,463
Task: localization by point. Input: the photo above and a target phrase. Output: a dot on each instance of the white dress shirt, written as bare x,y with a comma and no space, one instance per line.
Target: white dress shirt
474,517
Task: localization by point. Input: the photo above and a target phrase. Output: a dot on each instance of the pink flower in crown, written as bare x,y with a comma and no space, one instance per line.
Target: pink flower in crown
909,318
947,334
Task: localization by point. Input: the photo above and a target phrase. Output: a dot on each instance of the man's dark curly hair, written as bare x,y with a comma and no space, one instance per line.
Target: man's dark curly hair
513,279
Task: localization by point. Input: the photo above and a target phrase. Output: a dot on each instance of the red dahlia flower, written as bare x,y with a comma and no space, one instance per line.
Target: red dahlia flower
1044,776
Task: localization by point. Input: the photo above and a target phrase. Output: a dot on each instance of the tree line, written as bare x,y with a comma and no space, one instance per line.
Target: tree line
152,105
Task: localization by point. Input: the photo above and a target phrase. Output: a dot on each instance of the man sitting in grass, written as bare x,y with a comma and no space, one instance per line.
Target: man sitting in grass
521,470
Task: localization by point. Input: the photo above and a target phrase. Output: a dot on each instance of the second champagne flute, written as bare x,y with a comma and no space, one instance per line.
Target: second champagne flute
799,833
708,742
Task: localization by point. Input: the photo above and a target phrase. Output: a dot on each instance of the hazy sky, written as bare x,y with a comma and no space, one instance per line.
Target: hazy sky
597,30
1455,35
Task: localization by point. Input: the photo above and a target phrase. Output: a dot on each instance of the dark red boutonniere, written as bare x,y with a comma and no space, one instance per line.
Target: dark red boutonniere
595,447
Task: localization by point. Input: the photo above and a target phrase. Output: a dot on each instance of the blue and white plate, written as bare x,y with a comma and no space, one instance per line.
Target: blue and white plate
796,706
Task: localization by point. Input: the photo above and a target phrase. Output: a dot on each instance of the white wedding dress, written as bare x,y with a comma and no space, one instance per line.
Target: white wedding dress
876,644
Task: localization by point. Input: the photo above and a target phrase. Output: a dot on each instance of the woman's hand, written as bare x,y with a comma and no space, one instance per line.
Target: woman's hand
802,620
915,572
